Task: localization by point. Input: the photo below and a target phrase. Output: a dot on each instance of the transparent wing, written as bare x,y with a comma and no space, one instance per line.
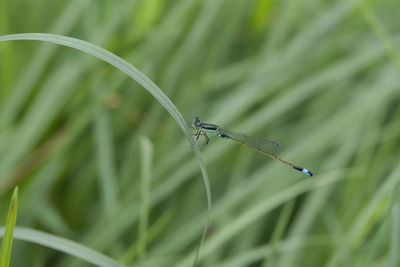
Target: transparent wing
266,145
262,145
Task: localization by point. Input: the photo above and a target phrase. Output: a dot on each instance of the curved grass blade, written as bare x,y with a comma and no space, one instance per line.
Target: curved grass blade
64,245
138,76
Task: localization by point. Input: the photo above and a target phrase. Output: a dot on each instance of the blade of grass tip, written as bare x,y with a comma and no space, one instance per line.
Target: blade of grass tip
64,245
6,244
139,77
146,162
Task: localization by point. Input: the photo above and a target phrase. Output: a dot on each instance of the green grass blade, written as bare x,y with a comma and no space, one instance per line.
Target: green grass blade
106,163
146,162
138,76
64,245
5,252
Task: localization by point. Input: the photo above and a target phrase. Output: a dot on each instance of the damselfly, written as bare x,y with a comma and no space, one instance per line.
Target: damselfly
259,144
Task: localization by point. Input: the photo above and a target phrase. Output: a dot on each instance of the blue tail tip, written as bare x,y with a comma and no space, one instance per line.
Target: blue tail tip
305,171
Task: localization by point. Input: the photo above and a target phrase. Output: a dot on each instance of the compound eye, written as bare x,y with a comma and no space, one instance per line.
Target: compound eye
197,121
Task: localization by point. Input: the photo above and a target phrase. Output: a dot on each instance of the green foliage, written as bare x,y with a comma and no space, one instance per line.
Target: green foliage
103,169
7,232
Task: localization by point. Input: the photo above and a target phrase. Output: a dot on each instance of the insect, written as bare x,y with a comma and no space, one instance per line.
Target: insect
258,144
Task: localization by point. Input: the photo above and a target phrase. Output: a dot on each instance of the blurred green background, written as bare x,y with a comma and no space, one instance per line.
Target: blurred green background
99,161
